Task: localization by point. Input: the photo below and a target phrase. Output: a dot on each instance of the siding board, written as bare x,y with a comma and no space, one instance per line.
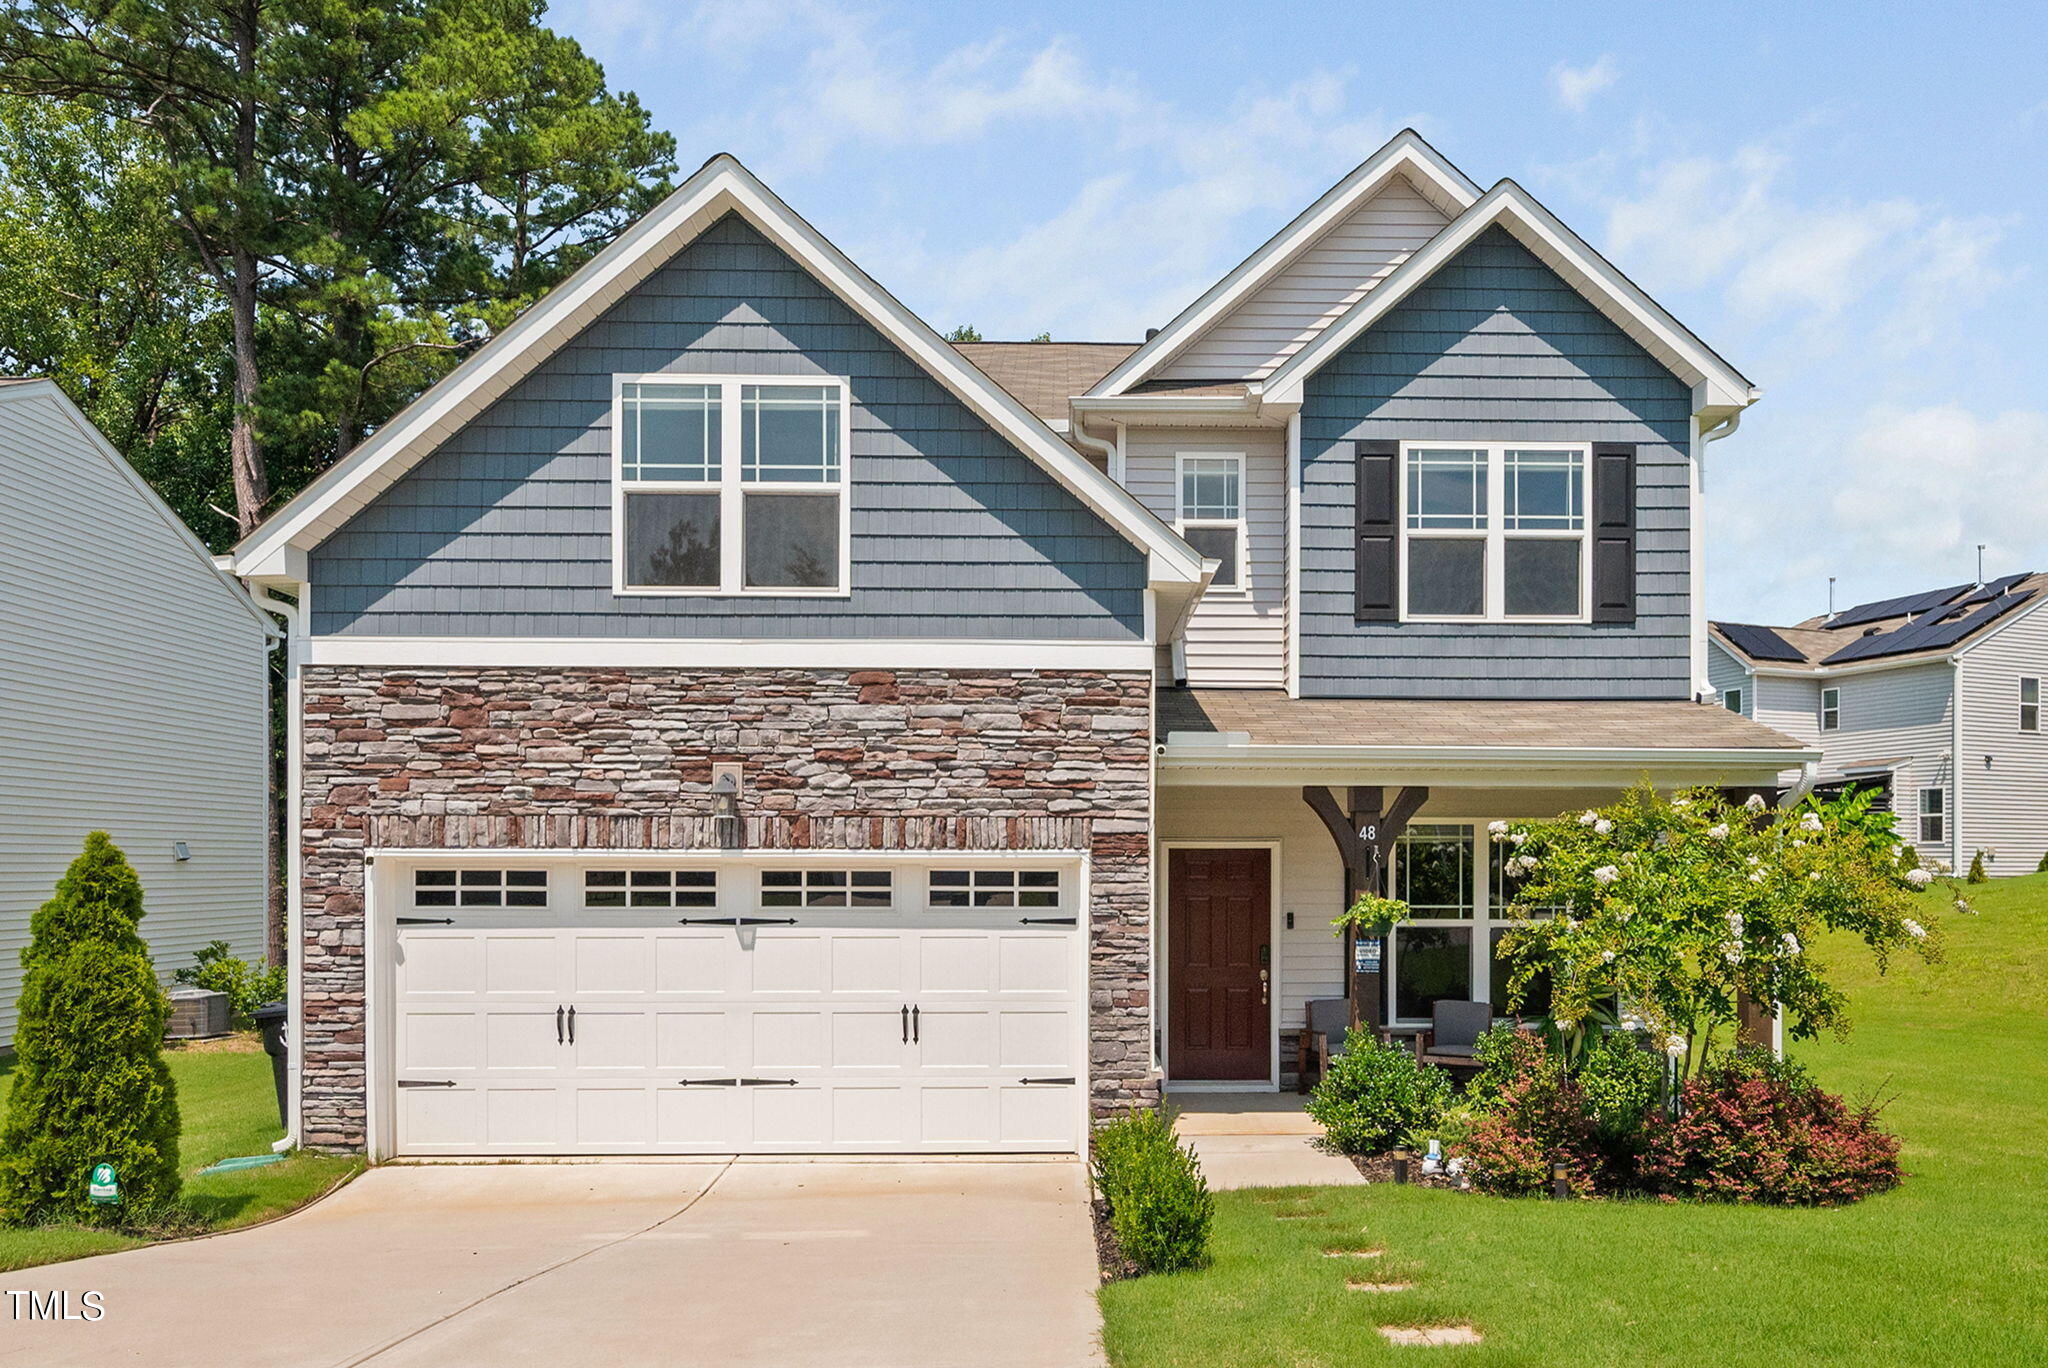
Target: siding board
2005,803
506,528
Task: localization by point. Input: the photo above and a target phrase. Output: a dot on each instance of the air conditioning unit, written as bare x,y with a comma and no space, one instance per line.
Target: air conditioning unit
196,1014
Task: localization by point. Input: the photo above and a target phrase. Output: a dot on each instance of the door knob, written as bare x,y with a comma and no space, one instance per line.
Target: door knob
1265,981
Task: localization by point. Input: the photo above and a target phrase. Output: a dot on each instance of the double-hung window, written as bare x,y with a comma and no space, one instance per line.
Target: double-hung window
1211,514
730,485
2030,703
1830,709
1494,532
1933,816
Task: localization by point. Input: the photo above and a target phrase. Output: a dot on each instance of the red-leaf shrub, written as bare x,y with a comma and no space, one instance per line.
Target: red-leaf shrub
1540,1116
1755,1129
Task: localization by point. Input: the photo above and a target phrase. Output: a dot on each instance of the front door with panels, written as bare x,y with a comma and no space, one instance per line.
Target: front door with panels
1219,964
615,1009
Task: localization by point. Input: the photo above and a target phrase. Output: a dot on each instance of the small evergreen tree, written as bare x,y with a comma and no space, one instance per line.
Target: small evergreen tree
90,1083
2042,868
1977,874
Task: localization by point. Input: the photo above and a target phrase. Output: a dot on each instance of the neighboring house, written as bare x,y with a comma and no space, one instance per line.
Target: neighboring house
133,695
1876,688
727,717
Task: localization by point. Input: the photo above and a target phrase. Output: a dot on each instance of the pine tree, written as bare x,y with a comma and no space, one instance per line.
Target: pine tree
90,1082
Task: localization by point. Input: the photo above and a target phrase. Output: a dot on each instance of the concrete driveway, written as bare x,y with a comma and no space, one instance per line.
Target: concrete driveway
890,1264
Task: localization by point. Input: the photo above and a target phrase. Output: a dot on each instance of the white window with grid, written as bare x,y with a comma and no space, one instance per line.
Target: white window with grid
1459,890
1494,532
1209,512
650,888
827,888
730,485
993,888
480,888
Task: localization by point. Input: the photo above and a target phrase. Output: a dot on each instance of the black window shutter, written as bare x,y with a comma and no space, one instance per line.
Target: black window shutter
1377,574
1614,532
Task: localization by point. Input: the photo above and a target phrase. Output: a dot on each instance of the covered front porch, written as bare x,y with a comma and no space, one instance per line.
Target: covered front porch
1273,813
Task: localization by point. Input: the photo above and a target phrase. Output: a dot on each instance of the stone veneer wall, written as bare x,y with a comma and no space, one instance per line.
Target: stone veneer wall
537,759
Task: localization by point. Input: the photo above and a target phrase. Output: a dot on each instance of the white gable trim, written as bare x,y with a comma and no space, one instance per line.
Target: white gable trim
1406,155
50,392
720,187
1717,386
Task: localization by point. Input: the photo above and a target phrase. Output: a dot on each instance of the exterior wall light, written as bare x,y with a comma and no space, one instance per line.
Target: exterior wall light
725,804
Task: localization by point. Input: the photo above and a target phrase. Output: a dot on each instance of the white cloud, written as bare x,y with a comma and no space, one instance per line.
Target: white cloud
1575,87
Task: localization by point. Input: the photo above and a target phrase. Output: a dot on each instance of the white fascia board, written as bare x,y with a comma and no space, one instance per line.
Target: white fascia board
1853,668
836,653
1185,763
723,185
49,391
1717,385
1405,155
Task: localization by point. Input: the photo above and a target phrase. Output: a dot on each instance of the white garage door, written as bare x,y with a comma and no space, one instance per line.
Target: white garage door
900,1028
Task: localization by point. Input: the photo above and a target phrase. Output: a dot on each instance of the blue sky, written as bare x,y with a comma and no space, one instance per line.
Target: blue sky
1848,202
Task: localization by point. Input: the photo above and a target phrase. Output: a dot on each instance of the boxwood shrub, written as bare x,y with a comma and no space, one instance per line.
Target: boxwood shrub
1159,1203
1377,1096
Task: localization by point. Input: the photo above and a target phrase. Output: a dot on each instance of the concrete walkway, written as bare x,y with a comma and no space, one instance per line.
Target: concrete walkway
1258,1140
613,1265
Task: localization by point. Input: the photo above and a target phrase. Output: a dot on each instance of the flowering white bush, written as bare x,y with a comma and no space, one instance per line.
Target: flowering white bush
1683,908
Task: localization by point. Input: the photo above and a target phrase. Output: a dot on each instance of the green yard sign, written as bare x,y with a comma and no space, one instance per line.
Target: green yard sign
104,1189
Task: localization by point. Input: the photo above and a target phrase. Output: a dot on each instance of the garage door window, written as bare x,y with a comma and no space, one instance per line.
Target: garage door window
995,888
480,888
650,888
826,888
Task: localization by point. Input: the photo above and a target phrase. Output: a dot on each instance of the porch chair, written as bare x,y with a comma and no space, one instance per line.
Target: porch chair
1453,1034
1321,1039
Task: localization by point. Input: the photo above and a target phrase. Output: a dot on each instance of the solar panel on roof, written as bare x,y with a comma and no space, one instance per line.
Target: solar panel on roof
1758,643
1929,633
1997,587
1903,606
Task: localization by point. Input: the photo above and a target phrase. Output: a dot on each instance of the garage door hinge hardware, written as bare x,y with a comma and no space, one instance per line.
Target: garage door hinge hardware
736,921
1049,921
426,921
426,1082
1028,1082
767,1082
707,1082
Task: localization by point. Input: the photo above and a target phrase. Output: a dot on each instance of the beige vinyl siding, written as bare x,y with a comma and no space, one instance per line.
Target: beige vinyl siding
1305,296
1906,712
2005,802
1791,706
1234,639
132,700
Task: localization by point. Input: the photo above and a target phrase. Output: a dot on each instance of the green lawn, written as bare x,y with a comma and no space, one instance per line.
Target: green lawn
226,1099
1951,1269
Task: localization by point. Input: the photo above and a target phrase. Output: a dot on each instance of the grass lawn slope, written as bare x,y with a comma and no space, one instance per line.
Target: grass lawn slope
226,1099
1950,1270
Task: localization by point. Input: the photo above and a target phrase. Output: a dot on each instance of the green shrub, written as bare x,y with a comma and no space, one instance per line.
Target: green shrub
90,1083
1540,1116
2042,868
1977,874
1504,1054
1452,1131
247,986
1159,1204
1623,1082
1376,1096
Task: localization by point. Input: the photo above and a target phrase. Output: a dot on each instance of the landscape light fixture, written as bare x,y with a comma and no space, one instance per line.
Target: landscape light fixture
1560,1182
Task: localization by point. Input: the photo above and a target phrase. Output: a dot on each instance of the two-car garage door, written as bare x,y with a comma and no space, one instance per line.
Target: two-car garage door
906,1027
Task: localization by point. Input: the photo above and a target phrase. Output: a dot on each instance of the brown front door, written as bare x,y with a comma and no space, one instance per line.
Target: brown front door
1218,921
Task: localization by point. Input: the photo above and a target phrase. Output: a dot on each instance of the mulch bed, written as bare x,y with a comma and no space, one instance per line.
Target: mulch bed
1379,1168
1109,1255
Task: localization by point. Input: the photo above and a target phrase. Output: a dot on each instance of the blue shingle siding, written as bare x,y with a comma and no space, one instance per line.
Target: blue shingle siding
1496,347
505,530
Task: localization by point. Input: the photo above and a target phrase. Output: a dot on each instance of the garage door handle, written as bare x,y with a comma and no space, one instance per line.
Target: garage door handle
426,1083
906,1025
1033,1082
916,1031
572,1025
1049,921
558,1025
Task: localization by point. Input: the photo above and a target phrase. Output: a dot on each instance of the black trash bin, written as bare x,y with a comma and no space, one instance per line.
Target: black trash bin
270,1020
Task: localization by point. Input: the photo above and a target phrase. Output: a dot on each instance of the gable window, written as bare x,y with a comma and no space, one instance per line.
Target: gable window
1830,709
1933,816
1494,533
1732,699
2030,704
1211,514
730,485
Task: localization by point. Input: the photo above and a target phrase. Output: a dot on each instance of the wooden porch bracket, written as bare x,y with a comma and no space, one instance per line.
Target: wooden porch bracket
1365,837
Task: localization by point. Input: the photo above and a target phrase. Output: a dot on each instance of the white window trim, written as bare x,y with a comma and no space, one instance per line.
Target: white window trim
1482,923
730,489
2024,704
1940,813
1495,533
1831,713
1182,522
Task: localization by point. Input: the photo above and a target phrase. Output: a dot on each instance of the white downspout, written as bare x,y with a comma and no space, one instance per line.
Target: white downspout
1955,768
289,838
